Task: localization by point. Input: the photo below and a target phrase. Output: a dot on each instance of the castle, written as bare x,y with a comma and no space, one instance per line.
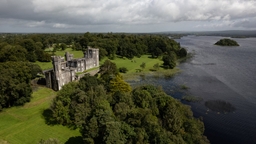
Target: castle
64,70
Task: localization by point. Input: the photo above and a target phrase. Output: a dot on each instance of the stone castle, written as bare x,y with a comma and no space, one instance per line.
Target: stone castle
65,69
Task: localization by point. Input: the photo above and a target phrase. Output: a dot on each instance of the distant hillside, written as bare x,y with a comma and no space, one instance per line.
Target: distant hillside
228,33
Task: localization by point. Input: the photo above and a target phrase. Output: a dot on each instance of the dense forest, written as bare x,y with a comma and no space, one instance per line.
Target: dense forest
103,107
107,110
22,50
226,42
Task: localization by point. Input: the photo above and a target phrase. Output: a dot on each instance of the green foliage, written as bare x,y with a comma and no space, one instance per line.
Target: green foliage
118,84
12,53
143,65
226,42
83,43
88,82
192,98
28,44
182,53
108,70
49,141
63,46
110,45
169,60
102,53
34,70
156,66
15,84
27,124
184,87
145,115
123,69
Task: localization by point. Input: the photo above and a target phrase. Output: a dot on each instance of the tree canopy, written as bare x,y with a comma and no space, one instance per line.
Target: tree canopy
109,44
226,42
144,115
15,83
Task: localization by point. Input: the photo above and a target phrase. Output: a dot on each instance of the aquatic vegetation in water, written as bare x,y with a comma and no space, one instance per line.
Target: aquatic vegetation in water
190,98
219,106
184,87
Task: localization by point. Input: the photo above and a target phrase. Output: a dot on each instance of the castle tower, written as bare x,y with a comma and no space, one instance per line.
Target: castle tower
92,57
57,67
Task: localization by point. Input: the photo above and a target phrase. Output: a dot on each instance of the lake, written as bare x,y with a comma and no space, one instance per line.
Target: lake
223,77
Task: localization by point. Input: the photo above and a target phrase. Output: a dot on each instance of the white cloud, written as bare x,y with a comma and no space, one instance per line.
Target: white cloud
59,25
35,23
78,13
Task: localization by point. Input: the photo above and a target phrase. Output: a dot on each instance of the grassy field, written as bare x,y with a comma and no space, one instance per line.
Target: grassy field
26,124
48,65
133,67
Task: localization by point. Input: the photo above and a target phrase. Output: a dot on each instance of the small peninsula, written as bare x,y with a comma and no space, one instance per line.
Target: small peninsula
226,42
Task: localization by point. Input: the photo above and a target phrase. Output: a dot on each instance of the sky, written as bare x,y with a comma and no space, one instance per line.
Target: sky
126,15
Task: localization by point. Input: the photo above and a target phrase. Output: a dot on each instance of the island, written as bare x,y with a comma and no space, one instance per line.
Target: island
226,42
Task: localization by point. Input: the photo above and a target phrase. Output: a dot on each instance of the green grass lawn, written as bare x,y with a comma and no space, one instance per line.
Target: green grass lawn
77,54
26,124
134,64
48,65
44,65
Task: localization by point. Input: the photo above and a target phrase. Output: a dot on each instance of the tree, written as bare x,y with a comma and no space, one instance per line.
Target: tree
169,60
118,84
83,43
146,115
226,42
35,69
63,46
123,69
56,47
87,82
15,84
156,66
143,65
108,70
182,52
102,53
12,53
28,44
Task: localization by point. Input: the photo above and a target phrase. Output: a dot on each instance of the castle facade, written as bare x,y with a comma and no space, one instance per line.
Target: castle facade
65,69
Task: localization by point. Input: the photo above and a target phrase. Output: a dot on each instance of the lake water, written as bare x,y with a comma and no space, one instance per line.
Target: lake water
226,74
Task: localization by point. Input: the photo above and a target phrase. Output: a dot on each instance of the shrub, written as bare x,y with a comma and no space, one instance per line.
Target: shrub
123,69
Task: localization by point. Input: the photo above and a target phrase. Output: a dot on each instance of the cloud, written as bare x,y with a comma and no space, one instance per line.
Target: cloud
246,23
78,13
58,25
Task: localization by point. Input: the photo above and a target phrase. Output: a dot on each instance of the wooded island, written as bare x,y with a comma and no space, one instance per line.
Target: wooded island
226,42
